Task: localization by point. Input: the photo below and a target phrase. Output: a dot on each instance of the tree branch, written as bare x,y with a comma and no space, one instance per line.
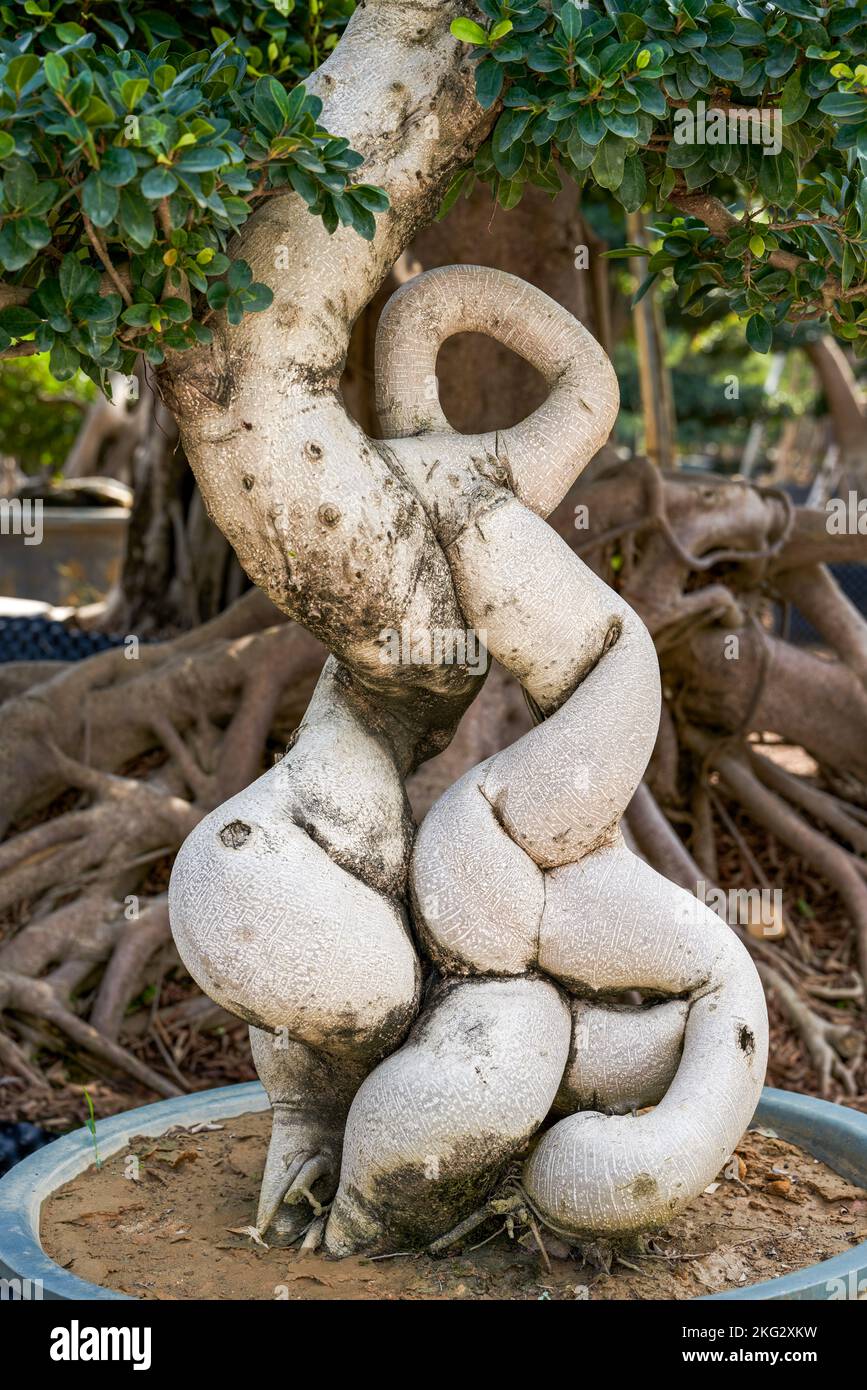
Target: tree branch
723,223
101,250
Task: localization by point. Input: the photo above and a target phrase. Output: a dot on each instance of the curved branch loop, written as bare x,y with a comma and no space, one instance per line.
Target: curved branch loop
546,452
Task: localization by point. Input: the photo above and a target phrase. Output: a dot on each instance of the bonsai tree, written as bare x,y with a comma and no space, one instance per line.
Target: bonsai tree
194,207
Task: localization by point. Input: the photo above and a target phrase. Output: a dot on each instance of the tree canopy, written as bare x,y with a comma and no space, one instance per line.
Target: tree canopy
133,148
134,142
748,122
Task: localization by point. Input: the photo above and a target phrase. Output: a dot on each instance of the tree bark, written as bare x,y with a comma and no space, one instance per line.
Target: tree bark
845,403
435,531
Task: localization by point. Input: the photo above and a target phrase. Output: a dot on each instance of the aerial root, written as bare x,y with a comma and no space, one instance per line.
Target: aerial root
313,1235
510,1206
286,1197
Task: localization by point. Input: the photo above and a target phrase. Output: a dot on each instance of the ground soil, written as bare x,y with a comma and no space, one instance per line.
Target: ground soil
177,1231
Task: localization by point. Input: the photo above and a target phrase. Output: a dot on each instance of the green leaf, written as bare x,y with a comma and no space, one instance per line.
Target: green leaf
35,231
175,309
137,315
363,221
20,71
725,62
234,308
831,242
370,197
793,99
500,30
56,71
489,82
580,153
759,333
70,33
608,164
117,33
268,110
623,253
98,308
617,56
17,320
239,275
509,128
799,8
304,184
294,103
697,174
132,91
848,106
20,186
508,161
453,192
652,98
164,77
747,33
63,360
257,297
89,307
726,159
99,200
570,18
136,218
7,144
49,300
159,182
97,114
218,293
778,179
15,252
780,58
510,192
468,31
623,125
201,160
76,278
633,189
118,166
590,124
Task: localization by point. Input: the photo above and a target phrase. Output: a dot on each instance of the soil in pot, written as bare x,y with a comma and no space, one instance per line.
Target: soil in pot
177,1231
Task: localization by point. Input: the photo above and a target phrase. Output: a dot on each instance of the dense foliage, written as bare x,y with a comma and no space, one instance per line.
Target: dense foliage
132,148
135,141
660,102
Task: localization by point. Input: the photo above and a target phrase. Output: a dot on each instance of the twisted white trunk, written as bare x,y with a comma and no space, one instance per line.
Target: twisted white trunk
289,903
520,866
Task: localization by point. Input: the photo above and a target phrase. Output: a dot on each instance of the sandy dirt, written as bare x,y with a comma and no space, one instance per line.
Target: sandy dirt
176,1231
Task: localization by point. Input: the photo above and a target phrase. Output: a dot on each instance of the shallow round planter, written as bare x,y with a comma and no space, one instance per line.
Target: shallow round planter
832,1133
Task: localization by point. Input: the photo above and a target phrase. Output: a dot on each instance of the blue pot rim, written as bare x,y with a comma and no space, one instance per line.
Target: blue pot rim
832,1133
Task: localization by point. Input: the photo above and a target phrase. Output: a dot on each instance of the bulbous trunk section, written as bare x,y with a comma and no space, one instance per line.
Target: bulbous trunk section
291,903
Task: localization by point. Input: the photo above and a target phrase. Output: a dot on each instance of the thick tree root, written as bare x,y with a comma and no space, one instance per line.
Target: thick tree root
835,1049
193,716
